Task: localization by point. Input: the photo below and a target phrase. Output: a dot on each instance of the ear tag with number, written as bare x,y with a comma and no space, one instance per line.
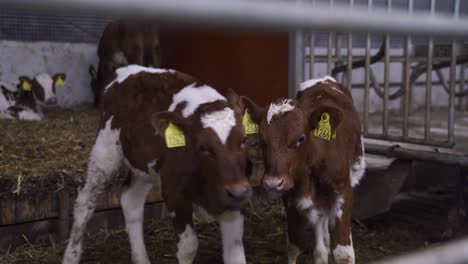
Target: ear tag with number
174,136
59,82
26,86
250,126
324,129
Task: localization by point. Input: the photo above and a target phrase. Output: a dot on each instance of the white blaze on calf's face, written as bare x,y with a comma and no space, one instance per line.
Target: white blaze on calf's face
279,108
221,122
46,82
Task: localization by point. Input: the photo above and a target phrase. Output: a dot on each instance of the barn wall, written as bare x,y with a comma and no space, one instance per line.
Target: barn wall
30,58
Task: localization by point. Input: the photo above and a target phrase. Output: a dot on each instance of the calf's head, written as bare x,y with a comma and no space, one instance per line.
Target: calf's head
43,87
215,137
286,133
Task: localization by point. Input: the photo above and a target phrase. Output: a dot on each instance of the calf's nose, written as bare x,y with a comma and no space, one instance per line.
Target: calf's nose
51,101
274,183
238,193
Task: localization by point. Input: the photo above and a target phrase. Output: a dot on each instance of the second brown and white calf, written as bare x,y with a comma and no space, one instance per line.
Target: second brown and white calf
207,168
315,171
24,100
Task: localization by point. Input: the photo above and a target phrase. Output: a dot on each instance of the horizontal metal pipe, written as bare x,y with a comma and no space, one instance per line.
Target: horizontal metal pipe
279,15
455,252
412,154
433,142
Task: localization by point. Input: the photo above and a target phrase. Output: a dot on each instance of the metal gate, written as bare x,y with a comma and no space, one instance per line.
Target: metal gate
417,57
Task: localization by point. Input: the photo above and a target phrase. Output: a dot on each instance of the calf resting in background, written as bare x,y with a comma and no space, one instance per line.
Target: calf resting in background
24,101
165,127
314,155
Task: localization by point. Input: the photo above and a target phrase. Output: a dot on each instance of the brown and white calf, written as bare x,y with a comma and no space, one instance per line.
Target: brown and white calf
140,107
124,42
314,169
24,100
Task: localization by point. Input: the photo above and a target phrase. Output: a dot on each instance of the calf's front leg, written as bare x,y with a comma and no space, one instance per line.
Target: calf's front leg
341,240
231,224
187,246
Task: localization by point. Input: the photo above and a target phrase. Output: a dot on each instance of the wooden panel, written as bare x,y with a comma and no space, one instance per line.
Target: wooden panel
253,64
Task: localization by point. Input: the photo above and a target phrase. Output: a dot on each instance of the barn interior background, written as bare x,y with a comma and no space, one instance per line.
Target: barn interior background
434,135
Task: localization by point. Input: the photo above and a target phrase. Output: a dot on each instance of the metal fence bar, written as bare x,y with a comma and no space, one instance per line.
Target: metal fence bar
453,68
330,48
280,15
407,64
451,253
386,77
427,110
312,51
349,70
367,76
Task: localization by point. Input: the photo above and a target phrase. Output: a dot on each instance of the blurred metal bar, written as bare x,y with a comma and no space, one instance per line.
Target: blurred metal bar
427,110
349,71
312,56
455,252
453,76
421,141
386,78
296,61
367,75
407,65
329,51
280,15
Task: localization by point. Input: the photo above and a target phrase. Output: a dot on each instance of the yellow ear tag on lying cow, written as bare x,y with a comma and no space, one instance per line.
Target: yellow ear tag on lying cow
324,129
249,126
26,86
174,136
59,82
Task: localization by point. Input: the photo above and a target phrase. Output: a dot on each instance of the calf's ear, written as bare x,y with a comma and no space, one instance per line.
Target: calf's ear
234,101
161,120
25,83
59,79
256,112
321,114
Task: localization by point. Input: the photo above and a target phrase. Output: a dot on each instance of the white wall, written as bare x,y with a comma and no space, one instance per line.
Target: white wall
30,58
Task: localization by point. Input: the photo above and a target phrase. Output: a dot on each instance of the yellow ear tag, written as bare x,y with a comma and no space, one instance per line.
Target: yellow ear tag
324,129
93,74
174,136
249,126
59,82
26,86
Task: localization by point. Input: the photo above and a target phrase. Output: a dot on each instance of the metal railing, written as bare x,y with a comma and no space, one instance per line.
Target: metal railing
336,64
297,17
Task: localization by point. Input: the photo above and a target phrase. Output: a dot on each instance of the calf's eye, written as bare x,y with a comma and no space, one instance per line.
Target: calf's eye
300,140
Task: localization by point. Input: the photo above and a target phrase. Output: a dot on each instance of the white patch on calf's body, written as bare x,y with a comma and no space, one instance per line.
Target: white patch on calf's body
304,203
46,83
313,82
221,122
194,97
279,108
320,251
5,103
187,246
359,167
124,72
29,114
313,215
344,254
107,151
337,210
232,228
